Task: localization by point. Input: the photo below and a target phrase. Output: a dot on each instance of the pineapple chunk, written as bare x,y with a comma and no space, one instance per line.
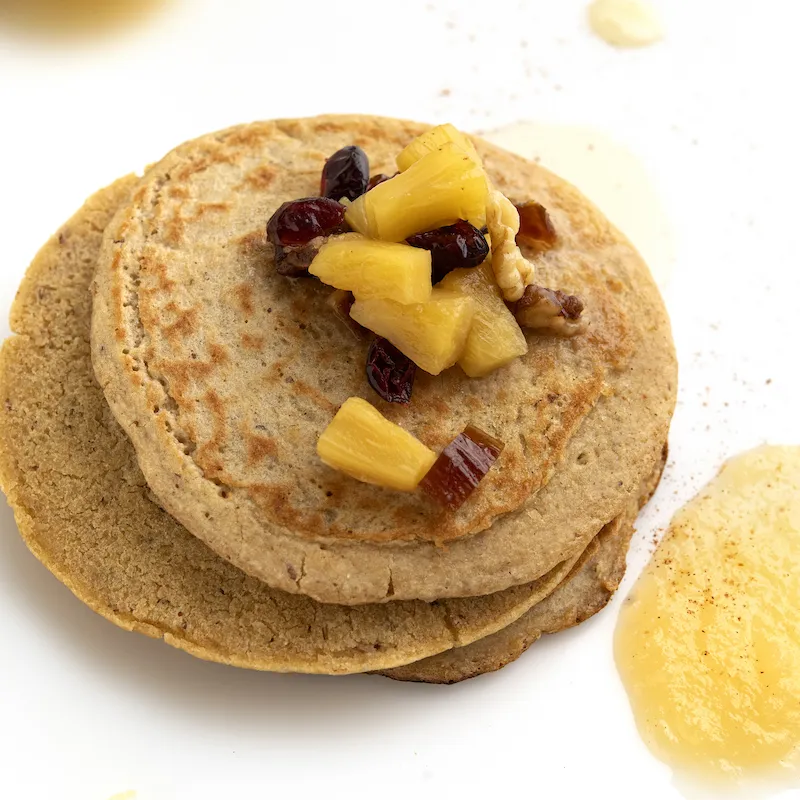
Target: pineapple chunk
362,443
433,140
431,334
371,269
442,187
495,338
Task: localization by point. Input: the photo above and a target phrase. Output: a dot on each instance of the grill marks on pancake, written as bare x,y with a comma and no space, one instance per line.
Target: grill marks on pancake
244,296
253,341
259,447
185,323
175,230
276,350
253,243
260,178
207,452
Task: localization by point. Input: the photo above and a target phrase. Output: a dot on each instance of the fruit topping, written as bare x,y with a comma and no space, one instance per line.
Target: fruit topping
511,270
495,338
552,311
299,221
452,247
535,226
376,179
373,269
389,372
341,302
433,140
461,467
442,187
431,334
345,174
362,443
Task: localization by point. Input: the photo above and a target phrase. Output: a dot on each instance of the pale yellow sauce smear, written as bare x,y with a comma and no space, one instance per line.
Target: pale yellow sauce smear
130,795
612,177
708,643
625,23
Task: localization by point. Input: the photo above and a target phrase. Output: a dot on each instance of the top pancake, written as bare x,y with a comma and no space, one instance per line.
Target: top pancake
224,374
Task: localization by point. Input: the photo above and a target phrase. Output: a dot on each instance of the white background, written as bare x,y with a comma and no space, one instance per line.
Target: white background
87,710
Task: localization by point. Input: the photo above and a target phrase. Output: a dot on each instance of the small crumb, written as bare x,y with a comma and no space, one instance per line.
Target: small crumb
444,93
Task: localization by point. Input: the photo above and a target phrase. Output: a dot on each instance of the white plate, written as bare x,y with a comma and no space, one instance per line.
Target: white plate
88,710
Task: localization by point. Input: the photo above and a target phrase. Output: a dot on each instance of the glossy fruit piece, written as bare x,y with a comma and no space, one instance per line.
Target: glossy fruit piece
441,188
495,338
431,334
535,226
452,247
345,174
433,140
299,221
362,443
371,269
390,373
461,467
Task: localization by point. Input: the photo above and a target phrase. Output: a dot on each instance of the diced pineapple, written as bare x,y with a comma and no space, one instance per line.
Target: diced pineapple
371,269
442,187
362,443
433,140
431,334
495,338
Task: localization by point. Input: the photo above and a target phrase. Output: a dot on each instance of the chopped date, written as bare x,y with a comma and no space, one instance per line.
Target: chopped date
462,465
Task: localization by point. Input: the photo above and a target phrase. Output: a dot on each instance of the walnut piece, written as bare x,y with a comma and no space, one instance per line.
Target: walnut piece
512,271
548,310
535,226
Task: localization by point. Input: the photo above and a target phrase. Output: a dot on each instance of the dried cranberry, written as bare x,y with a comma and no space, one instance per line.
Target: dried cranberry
461,467
379,178
389,372
451,247
345,174
535,226
299,221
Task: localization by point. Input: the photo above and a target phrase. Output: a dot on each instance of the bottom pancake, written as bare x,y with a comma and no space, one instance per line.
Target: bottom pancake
83,508
585,591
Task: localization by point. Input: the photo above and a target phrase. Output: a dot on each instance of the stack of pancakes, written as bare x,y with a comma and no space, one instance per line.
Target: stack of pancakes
165,388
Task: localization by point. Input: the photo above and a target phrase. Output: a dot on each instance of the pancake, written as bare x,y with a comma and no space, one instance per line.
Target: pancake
223,374
586,590
84,509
